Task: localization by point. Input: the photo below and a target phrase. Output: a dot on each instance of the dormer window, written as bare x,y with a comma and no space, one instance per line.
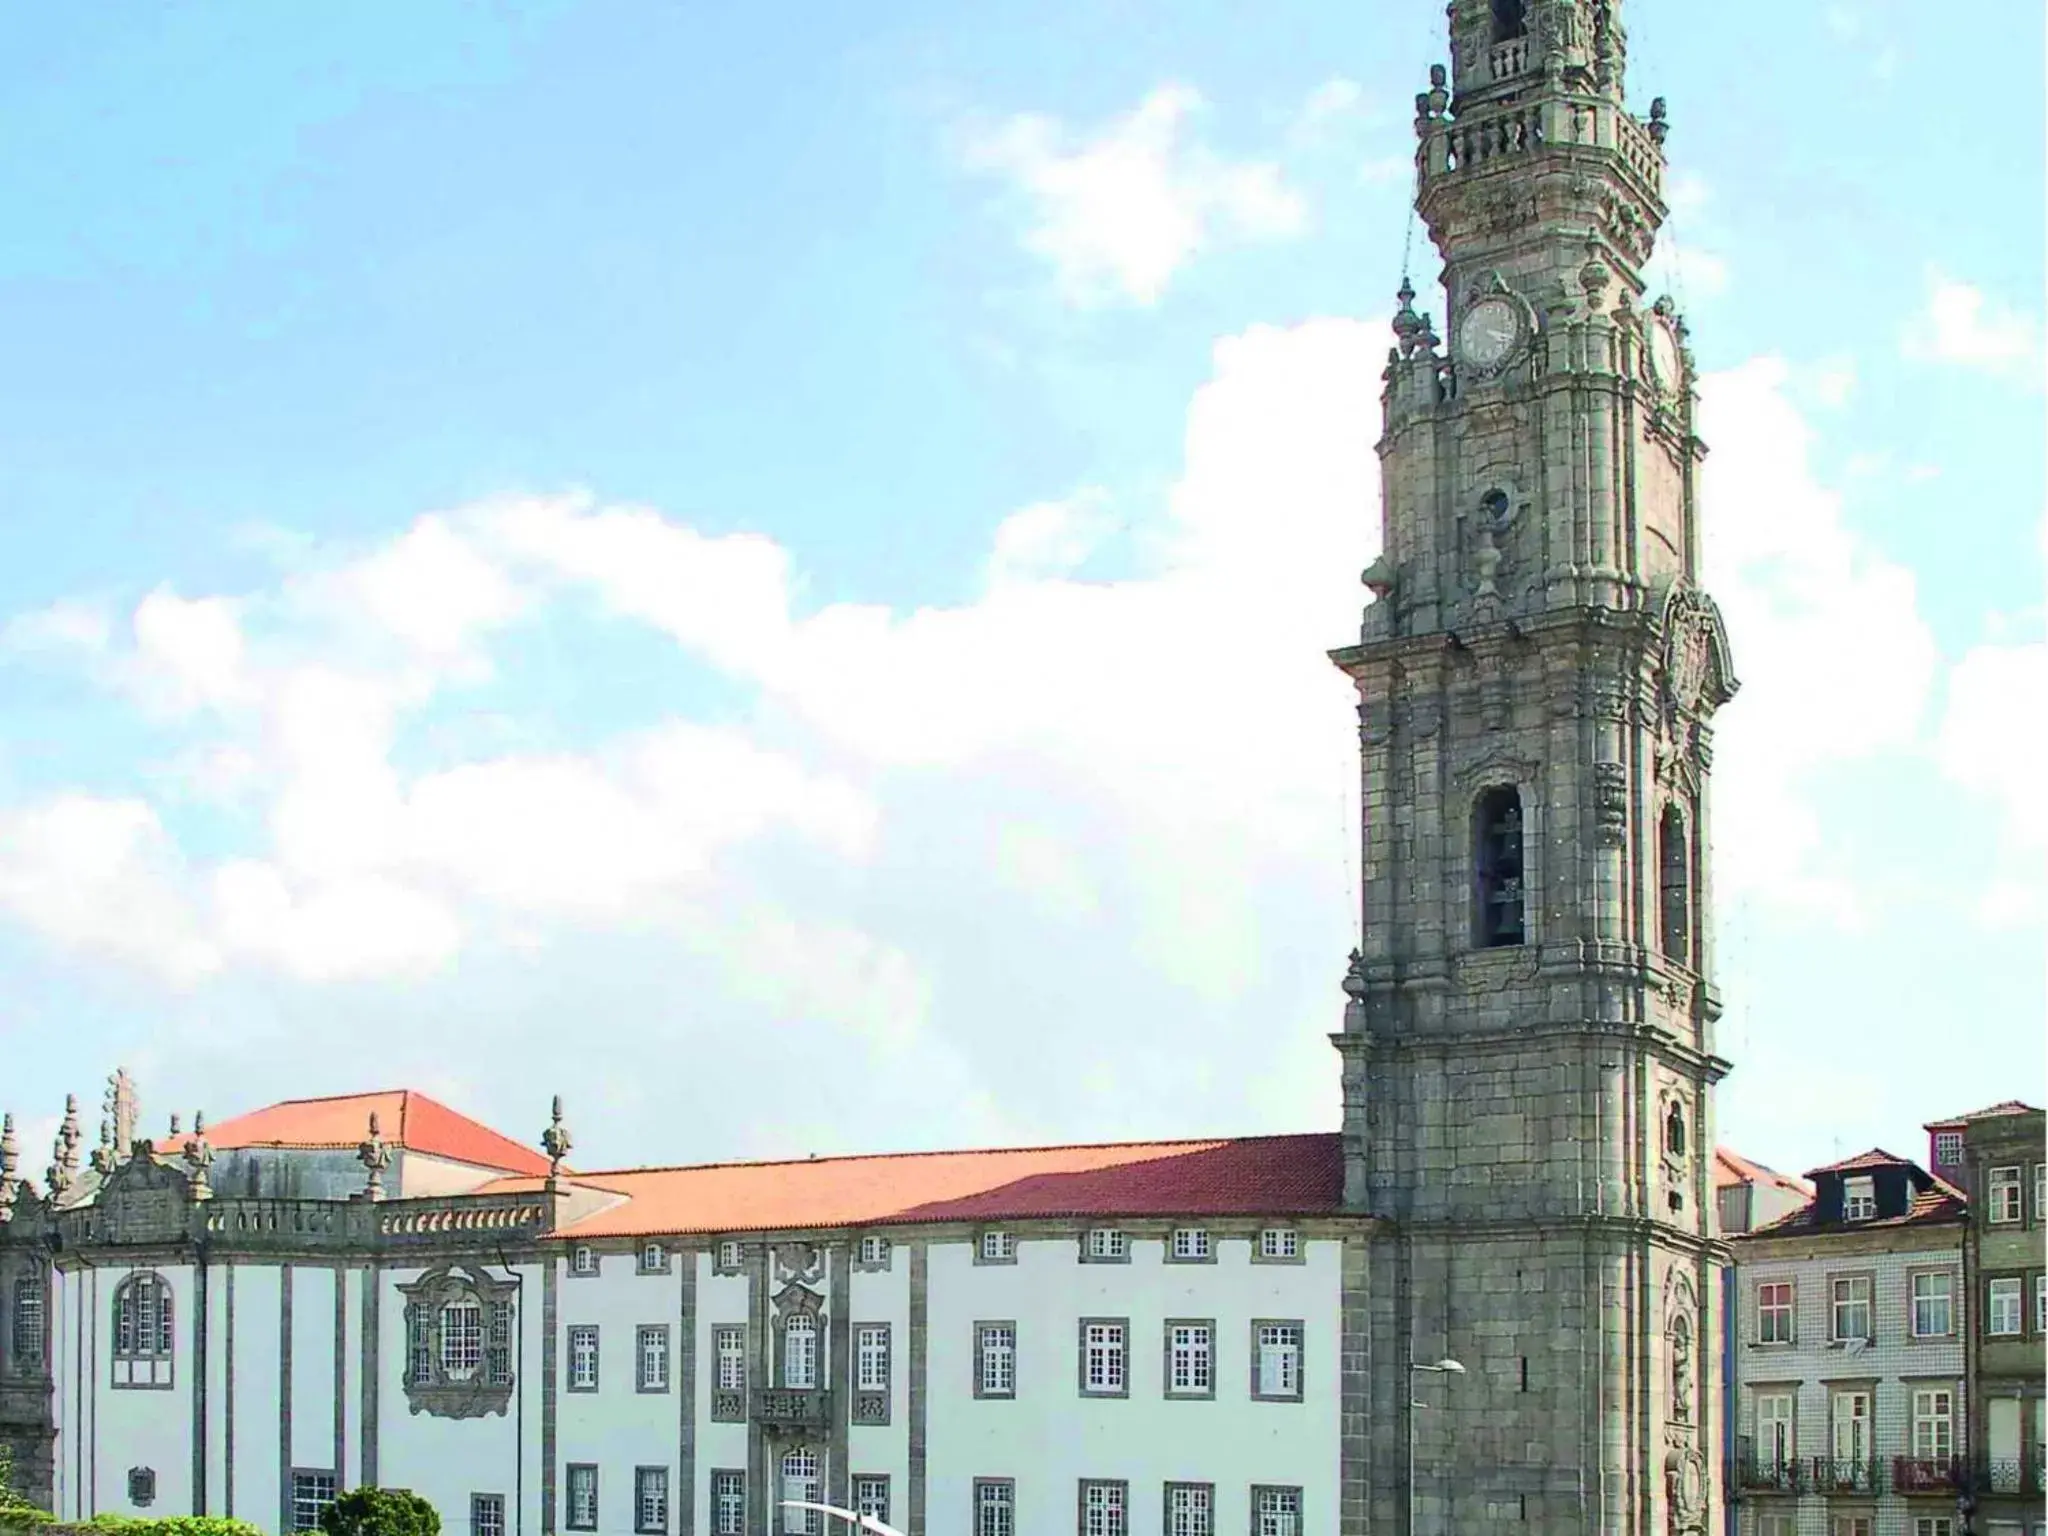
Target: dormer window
1508,21
1948,1148
1497,860
1859,1199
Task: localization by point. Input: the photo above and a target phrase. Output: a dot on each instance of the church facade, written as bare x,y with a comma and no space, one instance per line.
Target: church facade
1487,1301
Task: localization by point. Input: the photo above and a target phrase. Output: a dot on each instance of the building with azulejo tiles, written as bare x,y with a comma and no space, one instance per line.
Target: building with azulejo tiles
1486,1302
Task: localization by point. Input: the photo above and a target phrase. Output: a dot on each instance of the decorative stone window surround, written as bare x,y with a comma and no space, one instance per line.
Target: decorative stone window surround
1206,1253
982,1328
144,1321
1123,1335
651,1258
865,1262
1186,1394
644,1335
870,1400
440,1390
1281,1256
1104,1245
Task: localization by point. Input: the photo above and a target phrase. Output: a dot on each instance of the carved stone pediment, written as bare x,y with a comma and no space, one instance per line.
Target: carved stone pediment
798,1261
795,1300
1496,766
1699,676
459,1323
143,1201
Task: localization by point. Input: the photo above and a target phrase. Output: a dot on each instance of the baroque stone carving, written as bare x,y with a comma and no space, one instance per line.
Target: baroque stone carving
1610,803
1685,1490
1698,675
458,1337
798,1261
143,1201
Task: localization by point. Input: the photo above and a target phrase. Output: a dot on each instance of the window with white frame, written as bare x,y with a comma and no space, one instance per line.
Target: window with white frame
729,1346
871,1496
728,1503
2041,1327
1190,1509
995,1507
1850,1431
1851,1307
1103,1509
312,1492
652,1353
1276,1361
1774,1312
1774,1429
581,1500
800,1485
2002,1194
871,1357
30,1330
1934,1424
1859,1199
462,1338
653,1259
143,1332
1948,1148
583,1357
1190,1359
487,1514
582,1260
1107,1244
1933,1305
995,1350
1276,1512
1104,1356
1190,1244
1279,1243
800,1351
730,1254
2041,1191
1933,1525
1775,1523
997,1248
2002,1315
874,1251
650,1500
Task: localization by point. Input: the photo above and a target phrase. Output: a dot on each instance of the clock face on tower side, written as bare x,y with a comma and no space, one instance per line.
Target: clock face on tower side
1489,333
1665,363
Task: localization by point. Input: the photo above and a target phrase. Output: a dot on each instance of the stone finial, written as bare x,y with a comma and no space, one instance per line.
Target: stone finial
176,1132
124,1111
1439,94
198,1156
1354,995
63,1170
10,1166
104,1158
1593,279
375,1156
555,1141
1378,578
1659,123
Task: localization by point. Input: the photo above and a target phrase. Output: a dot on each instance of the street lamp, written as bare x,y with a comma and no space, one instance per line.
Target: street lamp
1443,1367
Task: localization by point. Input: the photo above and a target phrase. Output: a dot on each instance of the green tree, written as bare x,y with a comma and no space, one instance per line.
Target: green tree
380,1512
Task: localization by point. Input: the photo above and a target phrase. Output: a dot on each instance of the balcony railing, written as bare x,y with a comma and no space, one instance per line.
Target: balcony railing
794,1407
1766,1474
1926,1474
1831,1475
2015,1475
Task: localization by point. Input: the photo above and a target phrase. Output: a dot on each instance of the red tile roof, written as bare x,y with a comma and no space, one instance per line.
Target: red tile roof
2005,1107
1876,1157
1732,1168
1260,1175
405,1118
1934,1202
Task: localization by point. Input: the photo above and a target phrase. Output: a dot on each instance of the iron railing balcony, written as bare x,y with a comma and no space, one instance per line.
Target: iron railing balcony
1832,1474
2008,1474
1927,1474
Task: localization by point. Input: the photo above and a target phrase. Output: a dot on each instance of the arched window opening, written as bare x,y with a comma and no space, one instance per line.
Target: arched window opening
1674,1131
1497,835
1508,21
1675,882
30,1341
800,1484
143,1332
800,1351
462,1338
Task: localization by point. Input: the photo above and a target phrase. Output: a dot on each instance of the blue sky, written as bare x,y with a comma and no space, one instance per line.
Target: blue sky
766,568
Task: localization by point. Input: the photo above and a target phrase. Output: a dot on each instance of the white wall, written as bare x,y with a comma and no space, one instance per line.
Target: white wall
619,1427
721,1302
253,1492
136,1426
883,1296
1050,1437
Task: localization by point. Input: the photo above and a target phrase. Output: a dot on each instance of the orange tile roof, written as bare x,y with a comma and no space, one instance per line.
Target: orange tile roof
1876,1157
1732,1168
1995,1111
405,1117
1259,1175
1941,1203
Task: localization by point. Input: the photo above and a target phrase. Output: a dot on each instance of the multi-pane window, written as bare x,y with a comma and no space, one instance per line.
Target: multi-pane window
652,1353
1107,1243
498,1345
874,1251
1850,1430
1276,1360
650,1500
312,1492
729,1254
1774,1312
1851,1307
142,1317
2002,1316
1190,1359
1933,1525
2002,1192
583,1357
998,1247
1774,1443
653,1259
1103,1356
995,1508
1190,1243
1934,1418
1190,1509
1948,1148
582,1497
1850,1525
2041,1191
1276,1512
462,1338
582,1260
1279,1243
728,1503
487,1514
1933,1306
871,1497
419,1349
729,1344
31,1332
1102,1509
800,1485
2041,1322
1859,1199
800,1351
995,1348
871,1357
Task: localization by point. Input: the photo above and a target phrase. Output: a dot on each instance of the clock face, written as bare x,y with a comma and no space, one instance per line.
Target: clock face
1664,359
1489,333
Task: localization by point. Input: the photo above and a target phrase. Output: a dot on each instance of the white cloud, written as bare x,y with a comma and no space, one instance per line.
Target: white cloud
1118,212
1992,739
1963,326
1049,538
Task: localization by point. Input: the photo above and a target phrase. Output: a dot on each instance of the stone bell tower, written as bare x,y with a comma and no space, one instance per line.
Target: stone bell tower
1528,1048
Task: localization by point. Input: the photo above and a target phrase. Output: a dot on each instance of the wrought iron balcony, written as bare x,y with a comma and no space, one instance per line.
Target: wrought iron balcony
2003,1474
1926,1474
790,1407
1769,1474
1831,1475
